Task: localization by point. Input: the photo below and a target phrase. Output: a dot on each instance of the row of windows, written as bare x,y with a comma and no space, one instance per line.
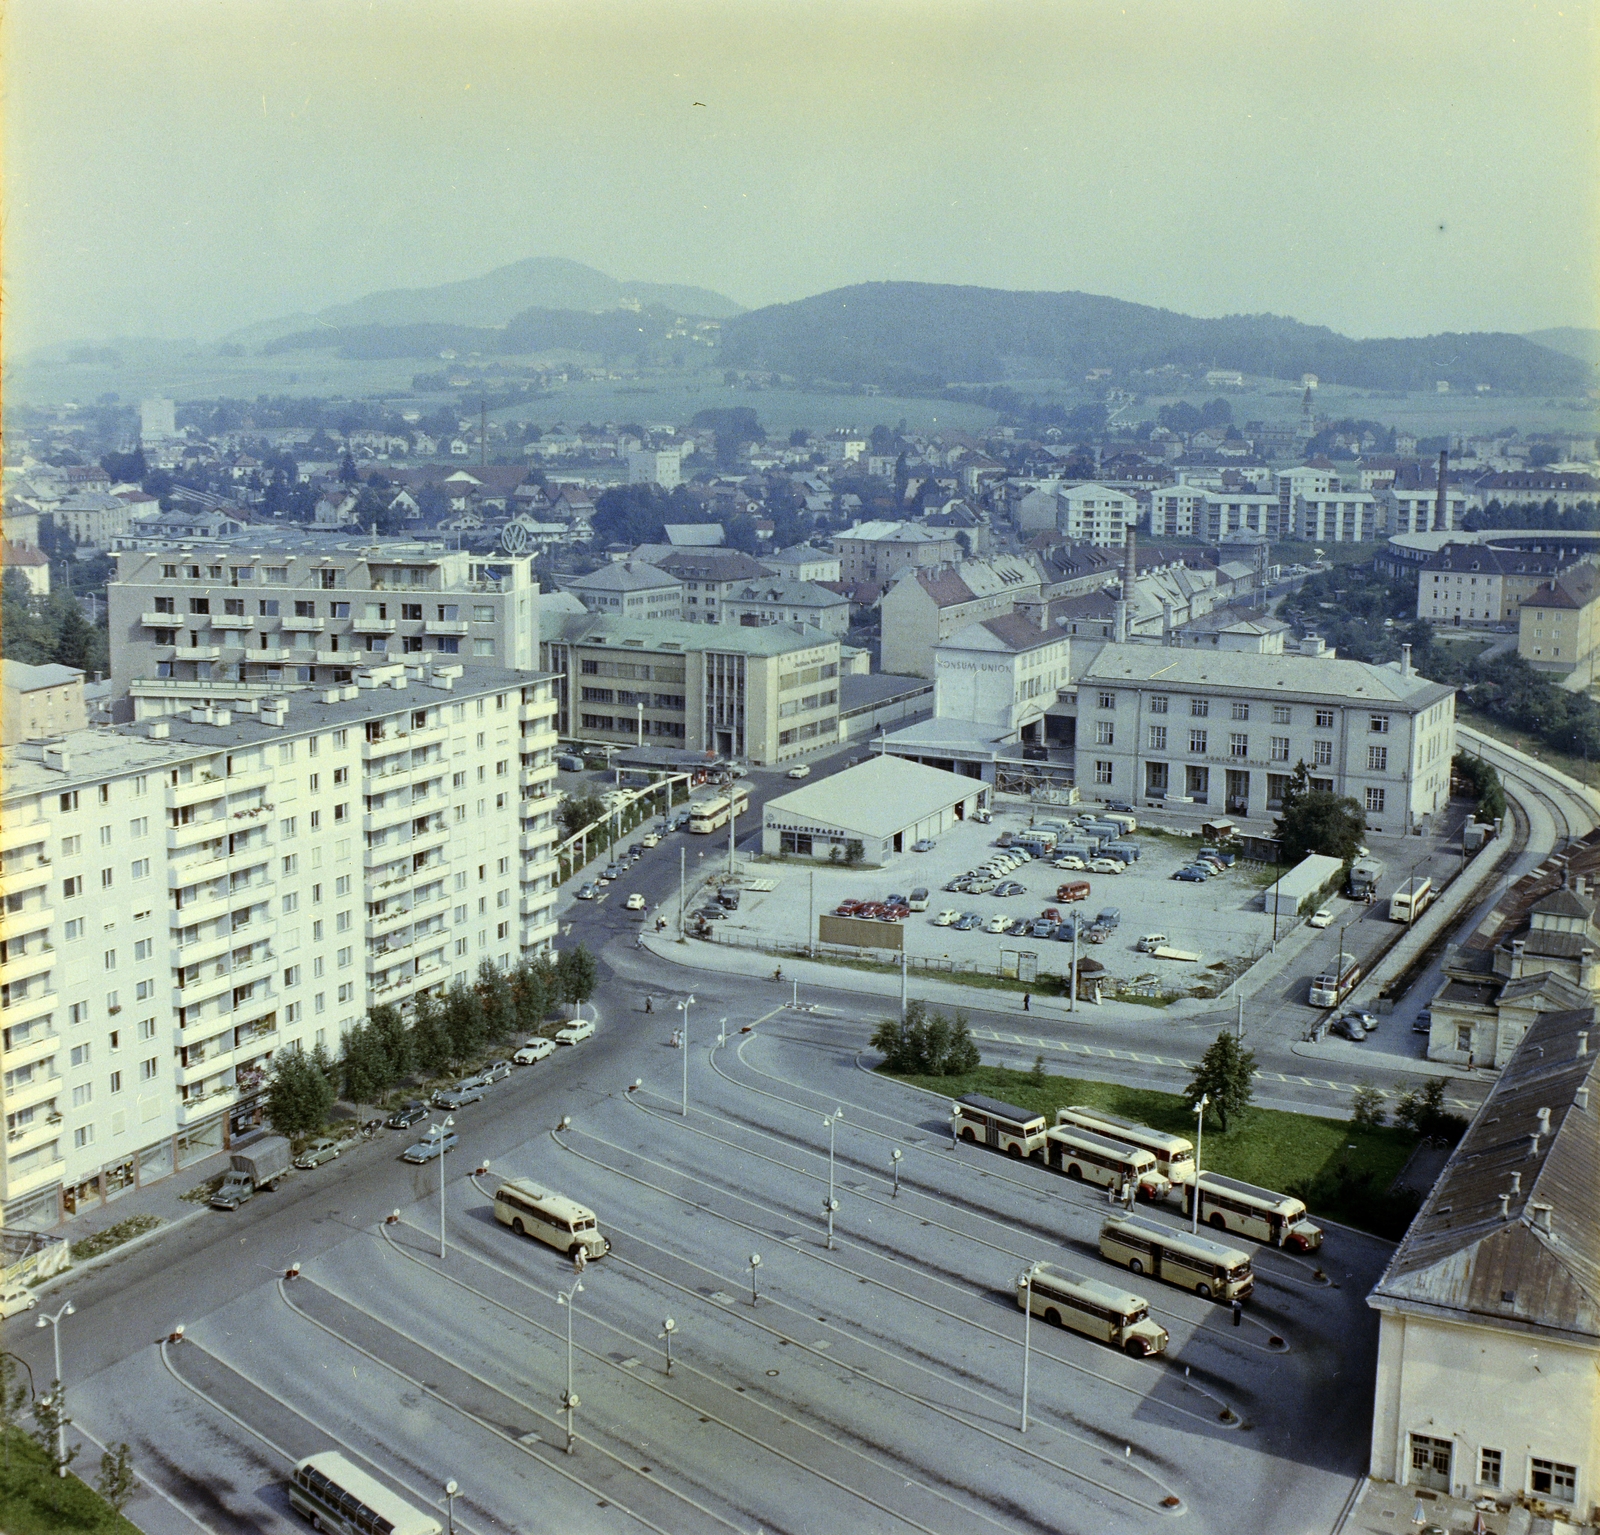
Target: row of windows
1239,746
1282,714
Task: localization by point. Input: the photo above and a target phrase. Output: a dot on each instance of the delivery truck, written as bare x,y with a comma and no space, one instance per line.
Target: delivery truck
250,1171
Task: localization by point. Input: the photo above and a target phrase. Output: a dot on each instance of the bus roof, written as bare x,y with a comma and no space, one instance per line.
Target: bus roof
995,1106
1217,1251
1100,1142
405,1519
1092,1289
1239,1186
1118,1122
556,1204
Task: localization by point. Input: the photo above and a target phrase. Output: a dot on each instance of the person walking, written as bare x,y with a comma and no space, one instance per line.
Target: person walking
1027,1001
649,1004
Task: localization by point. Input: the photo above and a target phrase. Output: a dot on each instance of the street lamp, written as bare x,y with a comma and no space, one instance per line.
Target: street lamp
1199,1141
955,1126
894,1158
755,1263
683,1007
569,1402
668,1327
440,1131
450,1491
1025,1281
832,1204
54,1324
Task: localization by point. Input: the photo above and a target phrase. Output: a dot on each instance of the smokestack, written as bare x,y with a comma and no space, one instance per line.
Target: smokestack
1516,1182
1405,660
1505,1206
1541,1217
1125,600
1441,511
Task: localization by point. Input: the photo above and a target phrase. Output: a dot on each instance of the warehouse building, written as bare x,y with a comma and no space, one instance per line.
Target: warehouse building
882,806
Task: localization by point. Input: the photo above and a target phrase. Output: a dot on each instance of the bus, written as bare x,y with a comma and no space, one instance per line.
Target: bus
1333,985
335,1496
1018,1132
553,1219
1096,1310
1095,1158
710,814
1173,1153
1411,900
1212,1271
1264,1216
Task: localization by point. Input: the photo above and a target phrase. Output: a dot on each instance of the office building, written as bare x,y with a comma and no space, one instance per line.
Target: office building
629,589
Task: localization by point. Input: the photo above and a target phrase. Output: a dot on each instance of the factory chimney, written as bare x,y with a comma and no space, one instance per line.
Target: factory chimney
1129,570
1441,507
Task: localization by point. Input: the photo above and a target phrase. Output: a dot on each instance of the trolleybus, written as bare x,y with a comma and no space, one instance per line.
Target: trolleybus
1097,1158
1261,1214
553,1219
710,814
1211,1270
335,1496
1096,1310
1173,1153
1019,1132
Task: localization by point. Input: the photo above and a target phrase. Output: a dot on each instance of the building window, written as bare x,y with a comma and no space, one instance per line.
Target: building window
1241,711
1280,748
1377,759
1375,800
1199,708
1197,741
1322,753
1378,724
1324,719
1281,714
149,1069
1107,700
1104,733
1158,703
1550,1479
1238,745
1158,738
1489,1464
1102,772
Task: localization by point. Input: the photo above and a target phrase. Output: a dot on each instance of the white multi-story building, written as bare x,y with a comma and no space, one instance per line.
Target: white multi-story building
1002,673
187,896
1095,514
1225,730
656,466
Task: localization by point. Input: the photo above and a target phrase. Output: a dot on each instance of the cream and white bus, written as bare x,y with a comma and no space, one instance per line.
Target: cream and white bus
1096,1310
1261,1214
1018,1132
708,815
1212,1271
559,1222
1174,1154
335,1496
1097,1158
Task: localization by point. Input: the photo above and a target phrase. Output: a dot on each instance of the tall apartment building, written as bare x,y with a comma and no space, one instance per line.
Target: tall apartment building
229,618
1225,730
879,551
766,693
187,896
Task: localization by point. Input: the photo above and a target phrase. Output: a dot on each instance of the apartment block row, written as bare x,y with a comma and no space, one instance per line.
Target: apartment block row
187,896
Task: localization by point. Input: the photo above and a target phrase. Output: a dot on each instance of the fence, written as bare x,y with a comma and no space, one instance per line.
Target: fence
1005,969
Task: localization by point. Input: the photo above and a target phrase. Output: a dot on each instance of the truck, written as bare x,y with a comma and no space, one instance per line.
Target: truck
1334,984
251,1171
1364,876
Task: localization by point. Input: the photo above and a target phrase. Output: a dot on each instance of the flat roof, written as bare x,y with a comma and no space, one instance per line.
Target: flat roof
878,797
601,631
858,692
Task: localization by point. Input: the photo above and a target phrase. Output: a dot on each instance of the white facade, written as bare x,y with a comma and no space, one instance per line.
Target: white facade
656,466
1095,514
1005,679
157,420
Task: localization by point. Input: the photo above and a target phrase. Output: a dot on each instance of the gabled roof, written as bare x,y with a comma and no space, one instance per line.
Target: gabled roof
27,678
1553,988
623,576
1565,902
1011,633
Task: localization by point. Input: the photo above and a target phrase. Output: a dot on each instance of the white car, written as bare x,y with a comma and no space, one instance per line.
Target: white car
650,839
946,917
998,924
634,903
800,771
1321,917
1105,866
574,1032
534,1050
1071,861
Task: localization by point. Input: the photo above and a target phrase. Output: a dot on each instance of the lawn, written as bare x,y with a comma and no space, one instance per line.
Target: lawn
1342,1170
33,1502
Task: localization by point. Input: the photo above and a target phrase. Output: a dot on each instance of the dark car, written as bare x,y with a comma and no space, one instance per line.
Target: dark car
1192,876
408,1114
1042,928
1010,887
430,1146
1118,806
967,921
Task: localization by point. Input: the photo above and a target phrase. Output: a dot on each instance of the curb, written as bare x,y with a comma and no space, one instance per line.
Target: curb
73,1270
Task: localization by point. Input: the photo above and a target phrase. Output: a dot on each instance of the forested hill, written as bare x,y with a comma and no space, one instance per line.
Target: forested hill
921,334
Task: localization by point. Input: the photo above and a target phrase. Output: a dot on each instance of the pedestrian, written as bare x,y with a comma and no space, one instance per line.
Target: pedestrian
1127,1195
1027,1001
649,1004
1472,1059
1111,1193
580,1260
677,1039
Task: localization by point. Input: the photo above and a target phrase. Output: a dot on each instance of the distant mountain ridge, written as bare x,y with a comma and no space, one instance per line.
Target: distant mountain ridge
1575,340
917,335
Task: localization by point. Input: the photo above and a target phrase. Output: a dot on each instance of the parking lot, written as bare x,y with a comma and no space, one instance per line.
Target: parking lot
871,1382
1220,919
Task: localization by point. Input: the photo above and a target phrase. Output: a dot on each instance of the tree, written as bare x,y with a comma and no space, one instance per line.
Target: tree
1366,1105
499,1000
575,814
576,974
363,1065
117,1478
741,534
1321,822
430,1036
532,986
1297,785
348,474
299,1093
463,1020
1225,1075
75,641
392,1039
49,1418
13,1394
1422,1112
926,1043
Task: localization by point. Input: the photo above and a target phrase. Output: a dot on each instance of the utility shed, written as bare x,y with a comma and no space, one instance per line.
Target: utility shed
886,804
1287,894
1489,1333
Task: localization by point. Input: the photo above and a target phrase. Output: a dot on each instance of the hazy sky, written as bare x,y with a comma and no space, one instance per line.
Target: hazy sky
181,167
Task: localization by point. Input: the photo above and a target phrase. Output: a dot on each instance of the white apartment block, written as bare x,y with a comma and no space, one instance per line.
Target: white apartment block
1225,730
1095,514
1336,517
1218,516
656,466
227,618
187,896
1412,509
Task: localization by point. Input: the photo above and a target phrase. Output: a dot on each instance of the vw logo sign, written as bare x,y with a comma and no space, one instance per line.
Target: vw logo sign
515,538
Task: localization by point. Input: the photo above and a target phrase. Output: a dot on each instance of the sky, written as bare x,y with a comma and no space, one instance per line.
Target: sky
1385,167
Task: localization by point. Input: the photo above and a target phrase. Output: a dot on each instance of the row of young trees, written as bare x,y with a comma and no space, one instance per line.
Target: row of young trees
443,1033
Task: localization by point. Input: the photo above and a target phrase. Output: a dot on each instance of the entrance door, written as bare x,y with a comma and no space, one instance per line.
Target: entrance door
725,743
1430,1462
991,1135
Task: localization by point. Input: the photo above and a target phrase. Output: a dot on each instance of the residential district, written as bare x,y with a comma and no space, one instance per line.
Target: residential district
734,750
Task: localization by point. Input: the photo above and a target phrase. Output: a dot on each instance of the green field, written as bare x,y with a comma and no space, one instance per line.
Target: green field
1343,1171
33,1502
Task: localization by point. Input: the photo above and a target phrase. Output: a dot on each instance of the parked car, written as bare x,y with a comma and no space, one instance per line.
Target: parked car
799,770
711,914
317,1152
1321,917
650,839
1110,916
982,817
1071,861
1423,1022
998,923
1119,807
15,1296
573,1033
925,845
1105,866
1350,1028
1073,890
1368,1021
610,872
588,892
1041,928
1192,876
1010,887
635,902
458,1097
947,917
534,1050
407,1114
967,921
498,1071
431,1146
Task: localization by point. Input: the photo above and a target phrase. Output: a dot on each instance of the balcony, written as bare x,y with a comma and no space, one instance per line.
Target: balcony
44,1086
39,1046
389,922
161,620
232,621
203,950
197,652
208,786
387,853
207,906
18,834
41,1176
204,1105
45,1127
31,873
373,625
37,1004
401,946
183,838
535,777
275,657
537,841
204,1065
403,810
541,905
296,625
456,626
428,841
31,919
38,960
206,989
539,709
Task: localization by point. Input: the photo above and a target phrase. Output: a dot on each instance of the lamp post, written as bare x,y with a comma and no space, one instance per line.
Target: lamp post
1199,1141
832,1204
755,1263
440,1131
1025,1279
894,1158
955,1126
668,1327
569,1402
450,1491
683,1007
683,864
54,1324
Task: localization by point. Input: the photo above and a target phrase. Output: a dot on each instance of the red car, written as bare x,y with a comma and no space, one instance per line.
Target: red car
848,908
895,913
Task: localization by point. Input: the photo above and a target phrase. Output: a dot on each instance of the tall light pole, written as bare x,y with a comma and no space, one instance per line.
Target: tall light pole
755,1263
1199,1142
569,1402
54,1324
441,1131
894,1158
683,863
450,1491
832,1204
1025,1280
668,1327
683,1007
640,708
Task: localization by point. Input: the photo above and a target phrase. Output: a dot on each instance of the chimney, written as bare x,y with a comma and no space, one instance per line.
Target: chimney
1516,1183
1533,1144
1543,1116
1405,660
1541,1218
1583,1041
1505,1207
1582,1095
1441,507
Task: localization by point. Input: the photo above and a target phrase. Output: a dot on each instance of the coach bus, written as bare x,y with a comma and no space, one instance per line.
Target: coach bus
1096,1310
1411,900
1018,1132
711,814
1097,1158
335,1496
1211,1270
1174,1154
1257,1213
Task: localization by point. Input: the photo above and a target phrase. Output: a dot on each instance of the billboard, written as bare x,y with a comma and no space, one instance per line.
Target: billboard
860,932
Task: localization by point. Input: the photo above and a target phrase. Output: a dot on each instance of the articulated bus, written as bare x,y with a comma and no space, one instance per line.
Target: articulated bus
708,815
1096,1310
1099,1159
336,1497
1020,1132
1260,1214
1411,900
1212,1271
1173,1153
